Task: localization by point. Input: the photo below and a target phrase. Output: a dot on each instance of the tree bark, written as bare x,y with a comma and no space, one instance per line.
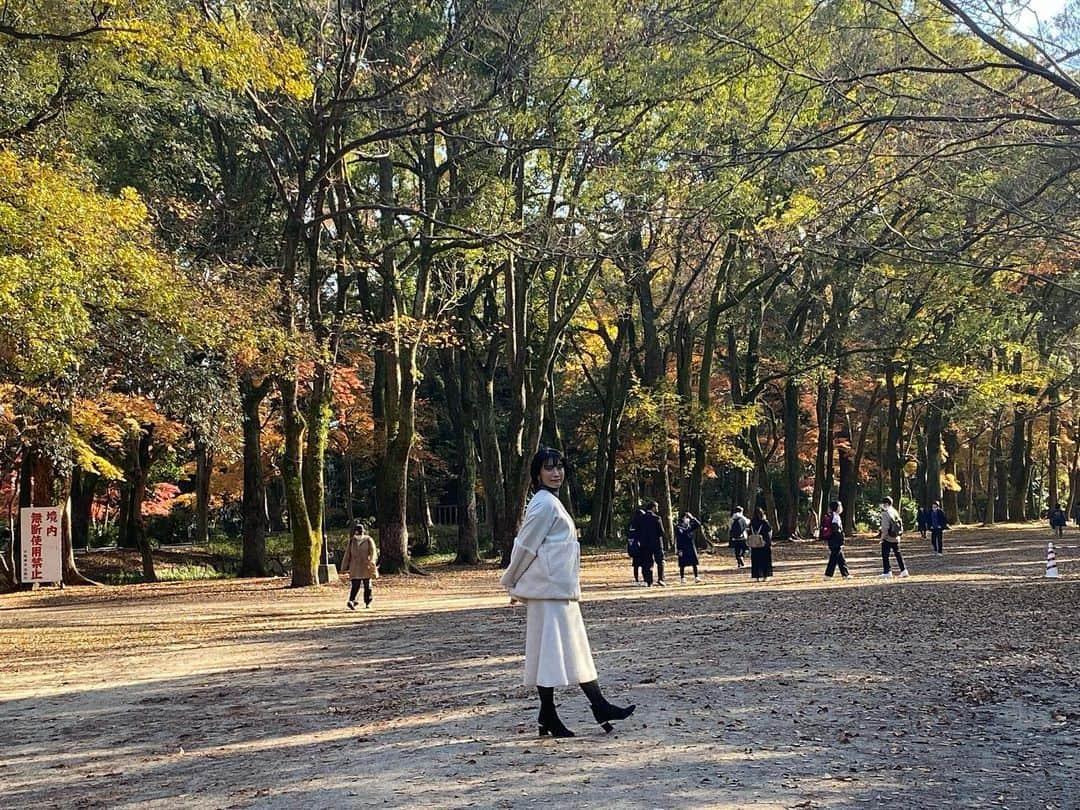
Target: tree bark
203,469
1053,437
253,505
950,499
933,455
83,487
306,543
601,518
790,526
1017,500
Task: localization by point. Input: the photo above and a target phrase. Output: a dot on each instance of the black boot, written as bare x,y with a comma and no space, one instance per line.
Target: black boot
548,721
603,711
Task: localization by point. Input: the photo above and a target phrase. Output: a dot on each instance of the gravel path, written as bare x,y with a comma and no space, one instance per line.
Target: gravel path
953,688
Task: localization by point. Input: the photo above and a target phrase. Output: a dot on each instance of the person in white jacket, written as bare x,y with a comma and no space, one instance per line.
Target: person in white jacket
891,531
544,575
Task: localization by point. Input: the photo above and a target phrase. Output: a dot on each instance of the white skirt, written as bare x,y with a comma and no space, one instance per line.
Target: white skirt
556,647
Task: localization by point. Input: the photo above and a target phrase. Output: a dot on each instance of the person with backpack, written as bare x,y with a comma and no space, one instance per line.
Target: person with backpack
832,532
892,529
740,527
633,546
937,524
650,536
686,546
760,542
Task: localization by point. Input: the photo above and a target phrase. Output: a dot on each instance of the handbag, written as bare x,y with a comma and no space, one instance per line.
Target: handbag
755,541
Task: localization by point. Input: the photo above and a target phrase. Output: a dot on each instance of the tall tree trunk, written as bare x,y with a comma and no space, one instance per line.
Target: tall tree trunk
306,544
600,520
1053,437
140,457
422,513
790,525
971,480
253,504
491,466
823,429
392,486
1018,451
933,454
348,487
950,501
994,481
1074,468
204,464
83,487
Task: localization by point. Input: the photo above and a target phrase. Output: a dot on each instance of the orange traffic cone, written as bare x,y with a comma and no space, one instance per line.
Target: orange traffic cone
1051,562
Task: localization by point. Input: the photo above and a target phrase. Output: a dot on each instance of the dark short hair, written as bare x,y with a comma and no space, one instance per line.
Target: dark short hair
543,455
834,505
887,500
651,505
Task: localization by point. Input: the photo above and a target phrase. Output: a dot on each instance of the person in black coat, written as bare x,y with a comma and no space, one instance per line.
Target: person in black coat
685,545
761,558
922,520
649,532
1058,520
937,525
633,547
832,532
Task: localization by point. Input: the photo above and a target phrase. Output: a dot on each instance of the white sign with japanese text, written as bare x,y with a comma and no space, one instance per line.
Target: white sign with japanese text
41,547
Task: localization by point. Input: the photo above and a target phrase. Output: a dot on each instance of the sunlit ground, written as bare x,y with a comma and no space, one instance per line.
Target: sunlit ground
953,688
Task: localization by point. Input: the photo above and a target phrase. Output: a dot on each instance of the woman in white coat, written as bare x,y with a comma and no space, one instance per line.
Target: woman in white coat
543,574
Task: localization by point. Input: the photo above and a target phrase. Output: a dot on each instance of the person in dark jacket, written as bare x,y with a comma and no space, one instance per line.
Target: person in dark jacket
740,526
633,547
922,520
649,532
761,558
937,524
1058,520
686,547
832,532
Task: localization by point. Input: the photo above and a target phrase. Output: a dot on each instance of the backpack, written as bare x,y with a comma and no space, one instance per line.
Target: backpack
737,529
826,530
896,527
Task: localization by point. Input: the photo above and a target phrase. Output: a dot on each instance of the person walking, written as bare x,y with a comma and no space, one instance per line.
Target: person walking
686,546
892,529
922,520
760,555
650,537
740,526
832,532
544,574
633,546
360,562
1058,520
937,525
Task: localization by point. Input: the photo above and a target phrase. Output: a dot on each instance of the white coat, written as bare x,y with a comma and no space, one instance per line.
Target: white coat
545,562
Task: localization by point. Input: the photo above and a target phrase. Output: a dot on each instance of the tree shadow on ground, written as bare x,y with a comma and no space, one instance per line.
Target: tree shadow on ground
749,696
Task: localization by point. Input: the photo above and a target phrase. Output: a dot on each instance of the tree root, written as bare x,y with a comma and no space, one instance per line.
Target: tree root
413,568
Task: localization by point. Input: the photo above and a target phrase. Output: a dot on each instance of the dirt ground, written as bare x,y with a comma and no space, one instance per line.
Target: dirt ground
956,687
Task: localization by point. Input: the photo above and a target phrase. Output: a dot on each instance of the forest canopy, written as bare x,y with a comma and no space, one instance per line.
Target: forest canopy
274,267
